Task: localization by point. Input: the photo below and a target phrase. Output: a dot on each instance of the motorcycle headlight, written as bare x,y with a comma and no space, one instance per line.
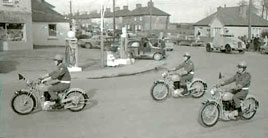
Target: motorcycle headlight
212,91
164,74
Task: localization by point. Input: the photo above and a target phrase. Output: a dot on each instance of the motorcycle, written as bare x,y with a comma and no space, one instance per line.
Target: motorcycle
220,106
164,87
27,100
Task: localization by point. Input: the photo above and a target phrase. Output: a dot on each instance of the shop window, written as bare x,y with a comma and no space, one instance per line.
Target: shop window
12,31
8,2
52,30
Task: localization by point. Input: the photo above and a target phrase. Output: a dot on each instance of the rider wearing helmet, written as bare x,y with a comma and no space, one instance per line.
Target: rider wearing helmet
242,81
59,79
186,74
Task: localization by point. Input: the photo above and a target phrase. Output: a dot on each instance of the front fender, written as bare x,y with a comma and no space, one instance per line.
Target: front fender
159,81
200,80
76,89
22,91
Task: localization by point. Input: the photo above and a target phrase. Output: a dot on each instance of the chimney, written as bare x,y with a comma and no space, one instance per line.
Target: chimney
125,7
150,3
138,6
117,9
243,10
108,9
219,8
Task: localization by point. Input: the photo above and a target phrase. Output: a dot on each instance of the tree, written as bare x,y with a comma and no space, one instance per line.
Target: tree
264,5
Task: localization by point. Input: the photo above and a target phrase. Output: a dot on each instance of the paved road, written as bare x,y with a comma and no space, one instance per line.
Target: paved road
122,107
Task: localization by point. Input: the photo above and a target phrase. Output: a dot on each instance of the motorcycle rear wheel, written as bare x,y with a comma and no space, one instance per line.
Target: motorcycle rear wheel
23,103
160,94
80,100
206,118
251,106
199,89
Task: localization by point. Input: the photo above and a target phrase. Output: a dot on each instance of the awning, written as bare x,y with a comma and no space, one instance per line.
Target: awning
14,17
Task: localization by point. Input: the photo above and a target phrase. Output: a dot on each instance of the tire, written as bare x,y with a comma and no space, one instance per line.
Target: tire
241,51
252,104
27,99
200,89
202,116
160,94
157,56
228,49
208,48
130,55
88,45
263,51
81,101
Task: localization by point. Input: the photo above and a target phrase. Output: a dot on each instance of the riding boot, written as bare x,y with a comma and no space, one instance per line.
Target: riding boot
184,89
58,104
239,111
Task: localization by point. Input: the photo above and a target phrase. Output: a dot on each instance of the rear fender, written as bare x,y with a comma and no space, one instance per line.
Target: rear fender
22,91
199,80
159,81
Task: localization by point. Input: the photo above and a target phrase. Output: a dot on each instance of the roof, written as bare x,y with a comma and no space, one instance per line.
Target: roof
146,11
125,12
230,16
42,12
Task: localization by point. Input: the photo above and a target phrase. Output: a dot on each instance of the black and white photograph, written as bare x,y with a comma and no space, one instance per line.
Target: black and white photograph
133,68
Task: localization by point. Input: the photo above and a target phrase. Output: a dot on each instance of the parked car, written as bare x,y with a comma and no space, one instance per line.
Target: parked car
137,50
226,43
264,49
94,41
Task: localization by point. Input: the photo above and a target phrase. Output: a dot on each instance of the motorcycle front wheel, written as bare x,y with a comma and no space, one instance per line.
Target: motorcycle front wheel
23,103
209,114
159,91
250,108
78,102
198,89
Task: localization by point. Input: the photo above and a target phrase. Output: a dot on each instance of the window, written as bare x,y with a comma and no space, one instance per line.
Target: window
8,2
12,32
52,30
135,19
140,18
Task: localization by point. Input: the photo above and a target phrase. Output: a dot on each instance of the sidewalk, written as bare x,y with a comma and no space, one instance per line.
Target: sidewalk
33,63
140,66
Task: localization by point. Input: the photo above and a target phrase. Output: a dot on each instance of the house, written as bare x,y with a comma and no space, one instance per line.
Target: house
139,19
148,18
49,27
181,29
231,21
15,25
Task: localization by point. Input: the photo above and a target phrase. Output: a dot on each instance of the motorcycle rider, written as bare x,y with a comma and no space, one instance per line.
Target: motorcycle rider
242,80
186,74
59,80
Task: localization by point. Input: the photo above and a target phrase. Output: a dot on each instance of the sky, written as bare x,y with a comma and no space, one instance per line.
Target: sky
181,11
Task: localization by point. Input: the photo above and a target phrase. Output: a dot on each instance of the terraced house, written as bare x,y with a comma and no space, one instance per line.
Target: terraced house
15,25
139,19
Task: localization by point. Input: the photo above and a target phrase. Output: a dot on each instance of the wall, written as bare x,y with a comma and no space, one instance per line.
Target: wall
158,22
40,34
18,12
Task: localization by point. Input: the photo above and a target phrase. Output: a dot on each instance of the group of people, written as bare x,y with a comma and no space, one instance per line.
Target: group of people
242,80
61,80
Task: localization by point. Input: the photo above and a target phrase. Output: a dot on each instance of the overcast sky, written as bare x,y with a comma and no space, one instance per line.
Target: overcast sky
181,11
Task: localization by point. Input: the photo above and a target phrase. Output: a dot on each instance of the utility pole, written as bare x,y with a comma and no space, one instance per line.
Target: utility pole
150,10
249,24
102,44
71,15
114,16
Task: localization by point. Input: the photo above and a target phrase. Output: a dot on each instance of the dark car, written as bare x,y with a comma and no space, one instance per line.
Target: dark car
138,50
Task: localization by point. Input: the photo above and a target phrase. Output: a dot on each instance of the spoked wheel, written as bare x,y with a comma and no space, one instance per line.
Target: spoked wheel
157,56
209,114
159,91
23,103
250,108
78,101
198,89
